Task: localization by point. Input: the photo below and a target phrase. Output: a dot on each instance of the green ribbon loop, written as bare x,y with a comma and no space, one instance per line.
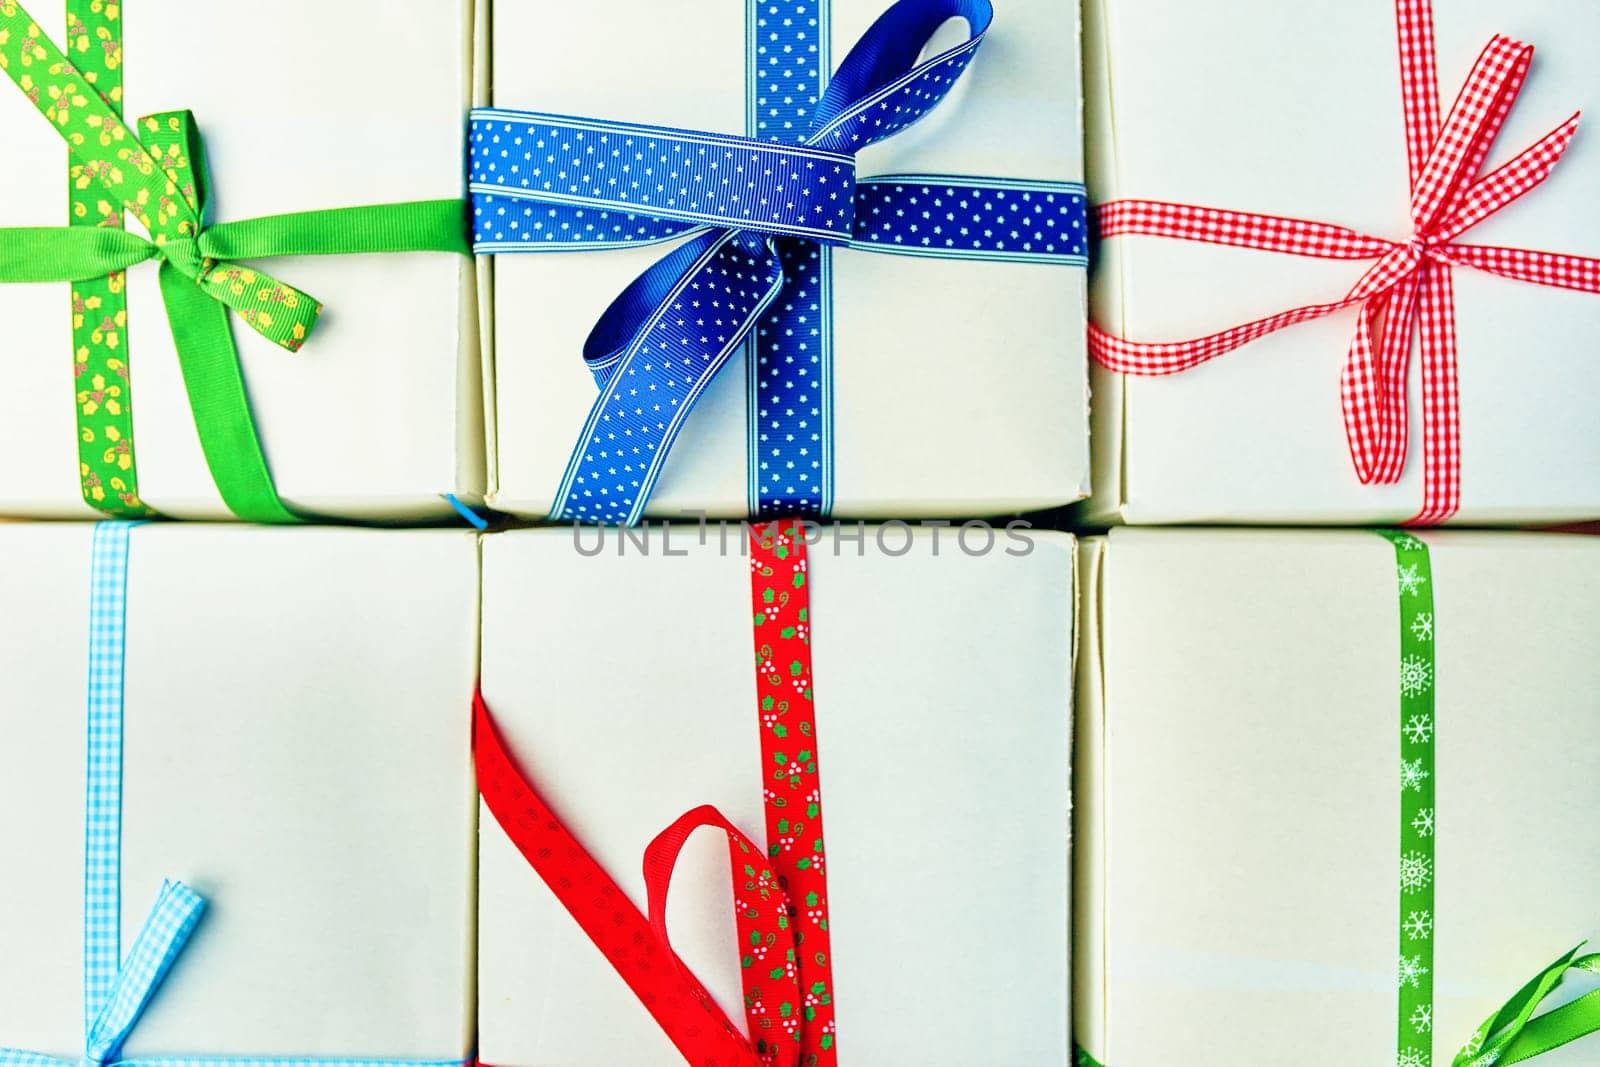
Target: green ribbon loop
159,177
281,313
1513,1034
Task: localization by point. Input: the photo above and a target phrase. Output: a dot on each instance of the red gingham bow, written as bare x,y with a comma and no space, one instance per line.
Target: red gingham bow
1411,280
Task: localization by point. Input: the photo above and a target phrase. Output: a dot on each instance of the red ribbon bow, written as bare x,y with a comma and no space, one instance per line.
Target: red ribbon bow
781,902
1411,280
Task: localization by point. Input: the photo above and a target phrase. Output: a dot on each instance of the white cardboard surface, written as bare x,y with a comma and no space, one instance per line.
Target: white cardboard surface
296,749
1242,769
959,387
321,105
947,860
1294,109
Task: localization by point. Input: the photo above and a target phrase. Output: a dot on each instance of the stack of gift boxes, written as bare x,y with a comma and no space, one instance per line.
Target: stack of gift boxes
655,435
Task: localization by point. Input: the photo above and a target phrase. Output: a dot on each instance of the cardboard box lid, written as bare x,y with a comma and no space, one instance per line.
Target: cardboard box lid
1250,801
1282,109
315,106
296,749
959,387
943,719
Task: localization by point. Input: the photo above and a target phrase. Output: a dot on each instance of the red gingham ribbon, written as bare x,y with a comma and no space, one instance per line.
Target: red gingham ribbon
1410,284
781,902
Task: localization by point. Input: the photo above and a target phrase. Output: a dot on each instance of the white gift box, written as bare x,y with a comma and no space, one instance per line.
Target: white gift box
943,721
1295,110
959,386
1238,790
316,106
296,749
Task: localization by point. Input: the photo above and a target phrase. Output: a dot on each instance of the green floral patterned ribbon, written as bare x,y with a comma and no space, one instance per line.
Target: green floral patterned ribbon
106,465
161,180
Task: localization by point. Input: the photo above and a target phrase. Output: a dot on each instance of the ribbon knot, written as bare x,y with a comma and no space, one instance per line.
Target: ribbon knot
803,190
1410,284
183,252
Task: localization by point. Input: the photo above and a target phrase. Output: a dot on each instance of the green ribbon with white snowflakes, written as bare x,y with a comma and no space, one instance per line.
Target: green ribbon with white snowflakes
1512,1034
1415,581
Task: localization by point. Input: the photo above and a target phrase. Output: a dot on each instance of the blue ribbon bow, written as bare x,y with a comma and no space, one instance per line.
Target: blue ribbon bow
760,215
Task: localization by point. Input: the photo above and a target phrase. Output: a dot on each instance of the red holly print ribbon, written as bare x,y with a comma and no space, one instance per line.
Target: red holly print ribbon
1411,280
781,901
793,793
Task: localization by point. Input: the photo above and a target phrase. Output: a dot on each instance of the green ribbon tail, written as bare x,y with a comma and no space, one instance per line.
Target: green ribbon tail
215,384
68,253
1562,1026
1513,1035
414,226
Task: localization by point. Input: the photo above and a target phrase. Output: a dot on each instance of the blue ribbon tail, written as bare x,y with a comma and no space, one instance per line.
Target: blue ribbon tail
166,930
654,352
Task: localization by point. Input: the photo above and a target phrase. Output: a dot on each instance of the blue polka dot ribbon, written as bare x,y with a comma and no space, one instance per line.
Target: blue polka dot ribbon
759,217
117,990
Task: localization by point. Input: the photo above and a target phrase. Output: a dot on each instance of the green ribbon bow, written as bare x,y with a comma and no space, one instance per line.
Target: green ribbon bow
160,179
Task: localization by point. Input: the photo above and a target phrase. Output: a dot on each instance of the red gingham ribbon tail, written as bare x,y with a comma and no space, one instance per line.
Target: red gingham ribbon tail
1553,269
1241,229
1441,405
633,945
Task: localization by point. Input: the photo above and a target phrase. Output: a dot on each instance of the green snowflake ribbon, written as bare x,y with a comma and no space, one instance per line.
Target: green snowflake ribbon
1512,1034
1414,578
162,182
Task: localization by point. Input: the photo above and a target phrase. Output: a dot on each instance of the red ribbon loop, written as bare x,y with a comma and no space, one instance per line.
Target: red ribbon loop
763,915
1409,287
635,947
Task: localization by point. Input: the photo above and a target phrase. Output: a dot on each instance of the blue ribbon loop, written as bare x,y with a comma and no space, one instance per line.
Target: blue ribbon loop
755,211
166,930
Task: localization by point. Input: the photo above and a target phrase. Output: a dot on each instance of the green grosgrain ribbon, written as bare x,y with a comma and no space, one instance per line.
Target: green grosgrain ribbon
161,180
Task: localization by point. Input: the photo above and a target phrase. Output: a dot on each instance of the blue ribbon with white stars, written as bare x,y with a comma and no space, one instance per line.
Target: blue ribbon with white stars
116,991
759,217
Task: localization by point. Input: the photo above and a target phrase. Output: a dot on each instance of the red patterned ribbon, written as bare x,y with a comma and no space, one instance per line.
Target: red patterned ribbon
780,589
781,904
1410,284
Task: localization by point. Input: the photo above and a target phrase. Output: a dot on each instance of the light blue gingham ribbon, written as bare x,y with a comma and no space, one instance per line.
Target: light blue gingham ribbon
761,215
117,991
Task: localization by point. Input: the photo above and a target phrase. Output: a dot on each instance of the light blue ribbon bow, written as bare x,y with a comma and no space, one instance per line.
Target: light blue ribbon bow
760,215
